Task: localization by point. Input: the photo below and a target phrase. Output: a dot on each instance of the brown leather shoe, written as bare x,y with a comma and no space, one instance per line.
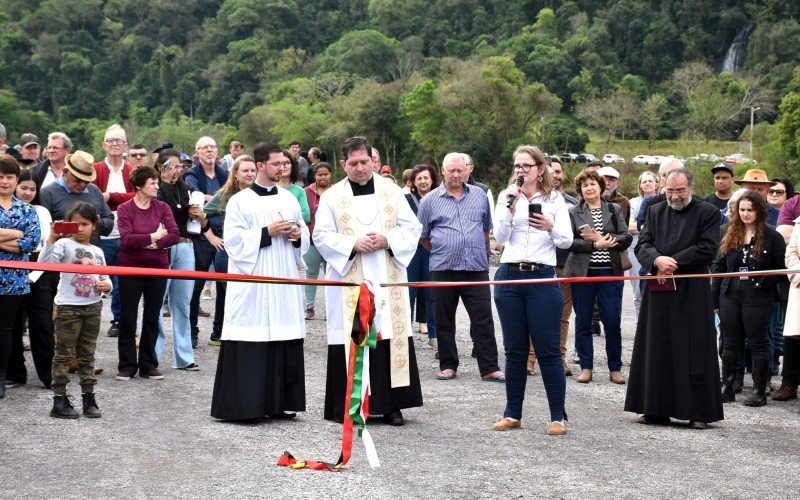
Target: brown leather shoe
585,377
505,424
698,425
557,428
785,393
617,378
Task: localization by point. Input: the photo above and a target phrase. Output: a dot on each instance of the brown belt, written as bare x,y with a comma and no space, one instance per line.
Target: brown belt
528,266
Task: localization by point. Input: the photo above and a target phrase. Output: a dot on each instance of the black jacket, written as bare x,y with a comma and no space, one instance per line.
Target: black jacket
772,256
577,264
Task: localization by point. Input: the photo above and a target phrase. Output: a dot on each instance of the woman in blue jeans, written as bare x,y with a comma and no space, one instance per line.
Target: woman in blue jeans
423,179
531,221
600,236
175,193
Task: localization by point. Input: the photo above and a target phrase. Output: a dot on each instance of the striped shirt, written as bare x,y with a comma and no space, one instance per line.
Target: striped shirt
600,257
456,228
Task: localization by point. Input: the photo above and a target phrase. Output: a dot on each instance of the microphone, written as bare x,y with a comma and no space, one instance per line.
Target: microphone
512,199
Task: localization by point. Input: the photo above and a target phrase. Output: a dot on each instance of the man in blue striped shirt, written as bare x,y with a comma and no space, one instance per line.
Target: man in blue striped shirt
456,220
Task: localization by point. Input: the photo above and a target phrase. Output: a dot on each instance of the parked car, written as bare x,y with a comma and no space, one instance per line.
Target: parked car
569,157
586,158
610,159
703,159
737,158
646,160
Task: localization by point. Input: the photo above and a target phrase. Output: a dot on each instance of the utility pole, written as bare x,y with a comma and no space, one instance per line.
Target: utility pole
753,110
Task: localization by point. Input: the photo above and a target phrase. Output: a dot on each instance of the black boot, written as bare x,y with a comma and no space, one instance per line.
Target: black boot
90,408
62,407
760,378
729,363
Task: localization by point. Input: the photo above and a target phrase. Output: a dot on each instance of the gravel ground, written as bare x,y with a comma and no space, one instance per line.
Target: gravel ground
156,439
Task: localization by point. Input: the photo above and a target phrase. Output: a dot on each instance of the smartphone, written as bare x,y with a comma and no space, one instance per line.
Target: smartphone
585,229
534,208
64,227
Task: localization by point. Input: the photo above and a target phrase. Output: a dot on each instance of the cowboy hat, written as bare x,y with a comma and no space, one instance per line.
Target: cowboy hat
754,176
80,164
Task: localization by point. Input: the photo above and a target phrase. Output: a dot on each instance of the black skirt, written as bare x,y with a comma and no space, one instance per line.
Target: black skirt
383,399
255,379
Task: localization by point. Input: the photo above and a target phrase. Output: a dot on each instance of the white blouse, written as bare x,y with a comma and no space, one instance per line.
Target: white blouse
524,243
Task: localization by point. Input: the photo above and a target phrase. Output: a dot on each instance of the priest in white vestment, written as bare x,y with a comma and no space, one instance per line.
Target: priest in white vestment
260,370
366,230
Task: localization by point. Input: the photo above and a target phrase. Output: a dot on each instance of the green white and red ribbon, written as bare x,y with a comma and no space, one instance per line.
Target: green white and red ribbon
363,337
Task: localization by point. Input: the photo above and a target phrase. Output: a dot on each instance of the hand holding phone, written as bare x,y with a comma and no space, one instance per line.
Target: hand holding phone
585,229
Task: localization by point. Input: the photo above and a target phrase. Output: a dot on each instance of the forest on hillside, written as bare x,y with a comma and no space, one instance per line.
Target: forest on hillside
419,77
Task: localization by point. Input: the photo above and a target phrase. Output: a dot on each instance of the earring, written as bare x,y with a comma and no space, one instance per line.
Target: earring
539,178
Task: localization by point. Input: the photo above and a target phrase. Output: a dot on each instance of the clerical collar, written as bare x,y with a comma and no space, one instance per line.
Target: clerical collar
264,190
367,188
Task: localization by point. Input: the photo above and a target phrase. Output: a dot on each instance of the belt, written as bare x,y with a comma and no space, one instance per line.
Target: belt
184,240
528,266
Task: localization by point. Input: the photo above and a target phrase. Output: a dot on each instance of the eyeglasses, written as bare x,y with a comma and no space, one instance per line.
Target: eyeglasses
116,142
54,148
207,146
138,155
523,166
679,192
279,163
777,192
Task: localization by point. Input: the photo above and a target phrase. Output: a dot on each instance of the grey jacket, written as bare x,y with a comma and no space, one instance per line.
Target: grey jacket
581,250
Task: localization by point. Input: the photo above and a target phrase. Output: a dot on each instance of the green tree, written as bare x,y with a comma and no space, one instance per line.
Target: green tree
364,53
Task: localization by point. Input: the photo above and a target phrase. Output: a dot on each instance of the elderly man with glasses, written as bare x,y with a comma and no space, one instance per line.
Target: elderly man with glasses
205,176
52,168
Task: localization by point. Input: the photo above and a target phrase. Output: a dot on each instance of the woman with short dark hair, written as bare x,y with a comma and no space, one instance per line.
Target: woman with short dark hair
600,237
147,229
19,235
423,180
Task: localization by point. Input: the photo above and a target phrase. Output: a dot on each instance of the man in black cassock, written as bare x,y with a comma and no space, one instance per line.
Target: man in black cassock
675,370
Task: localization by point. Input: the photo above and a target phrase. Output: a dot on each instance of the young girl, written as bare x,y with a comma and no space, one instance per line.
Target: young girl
78,306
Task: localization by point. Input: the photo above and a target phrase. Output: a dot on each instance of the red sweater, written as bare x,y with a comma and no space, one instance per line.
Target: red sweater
135,226
101,181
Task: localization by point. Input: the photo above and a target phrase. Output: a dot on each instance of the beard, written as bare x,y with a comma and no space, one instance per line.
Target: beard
556,183
678,205
608,194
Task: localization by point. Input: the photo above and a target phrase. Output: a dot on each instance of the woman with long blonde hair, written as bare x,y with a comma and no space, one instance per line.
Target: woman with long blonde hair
241,176
531,221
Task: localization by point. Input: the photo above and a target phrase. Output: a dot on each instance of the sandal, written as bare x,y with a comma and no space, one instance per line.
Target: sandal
497,376
447,374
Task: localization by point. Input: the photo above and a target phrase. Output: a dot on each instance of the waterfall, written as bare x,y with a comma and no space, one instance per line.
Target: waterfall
735,54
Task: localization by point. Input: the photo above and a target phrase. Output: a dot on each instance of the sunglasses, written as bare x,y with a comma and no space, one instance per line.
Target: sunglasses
138,155
777,192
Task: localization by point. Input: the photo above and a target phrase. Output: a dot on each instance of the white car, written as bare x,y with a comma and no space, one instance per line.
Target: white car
645,160
611,159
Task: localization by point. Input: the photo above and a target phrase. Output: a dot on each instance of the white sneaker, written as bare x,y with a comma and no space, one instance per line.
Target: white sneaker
206,294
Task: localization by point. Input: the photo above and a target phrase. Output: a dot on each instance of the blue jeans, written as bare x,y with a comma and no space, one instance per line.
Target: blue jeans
609,297
180,293
110,249
419,270
313,260
531,313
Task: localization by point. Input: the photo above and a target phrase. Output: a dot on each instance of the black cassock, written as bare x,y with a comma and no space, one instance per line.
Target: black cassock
675,369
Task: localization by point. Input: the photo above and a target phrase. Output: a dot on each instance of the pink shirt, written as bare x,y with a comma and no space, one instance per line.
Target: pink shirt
789,212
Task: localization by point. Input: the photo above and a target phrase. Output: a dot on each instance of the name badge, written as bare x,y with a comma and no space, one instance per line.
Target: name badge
744,270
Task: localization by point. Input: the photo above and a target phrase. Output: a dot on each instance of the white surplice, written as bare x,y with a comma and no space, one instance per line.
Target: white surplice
336,249
259,312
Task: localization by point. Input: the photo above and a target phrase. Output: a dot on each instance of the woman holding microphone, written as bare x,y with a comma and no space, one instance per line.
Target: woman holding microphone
532,220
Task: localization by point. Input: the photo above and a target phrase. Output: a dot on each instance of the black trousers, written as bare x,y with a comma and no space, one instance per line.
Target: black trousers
131,290
208,253
37,306
746,311
791,361
478,302
8,305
